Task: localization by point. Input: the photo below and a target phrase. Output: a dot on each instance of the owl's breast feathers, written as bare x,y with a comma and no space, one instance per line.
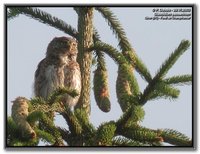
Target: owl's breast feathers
72,76
72,81
48,77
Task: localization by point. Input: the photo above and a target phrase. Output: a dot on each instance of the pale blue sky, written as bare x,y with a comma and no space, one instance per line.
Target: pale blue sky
152,40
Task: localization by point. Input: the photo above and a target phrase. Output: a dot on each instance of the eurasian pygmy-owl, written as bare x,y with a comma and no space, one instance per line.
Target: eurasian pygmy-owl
59,69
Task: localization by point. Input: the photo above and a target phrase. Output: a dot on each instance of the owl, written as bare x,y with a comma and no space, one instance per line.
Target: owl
59,69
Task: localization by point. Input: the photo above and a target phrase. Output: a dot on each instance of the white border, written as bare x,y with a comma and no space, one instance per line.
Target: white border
2,108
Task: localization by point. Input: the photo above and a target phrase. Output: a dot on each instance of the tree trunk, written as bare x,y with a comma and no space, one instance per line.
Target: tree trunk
85,29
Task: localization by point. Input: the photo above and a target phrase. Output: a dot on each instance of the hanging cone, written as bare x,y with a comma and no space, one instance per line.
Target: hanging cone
126,85
101,91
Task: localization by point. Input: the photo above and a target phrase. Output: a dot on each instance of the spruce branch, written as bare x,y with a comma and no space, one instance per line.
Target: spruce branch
131,116
119,32
24,143
13,132
14,137
57,94
179,80
158,89
66,135
167,89
38,104
34,117
175,138
121,122
46,124
155,95
99,54
37,101
76,9
110,51
105,134
123,141
11,126
12,13
46,18
96,36
142,69
124,44
120,59
73,123
163,90
140,134
88,130
170,61
116,27
162,72
81,115
45,136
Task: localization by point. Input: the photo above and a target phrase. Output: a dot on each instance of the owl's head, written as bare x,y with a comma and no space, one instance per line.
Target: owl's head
61,47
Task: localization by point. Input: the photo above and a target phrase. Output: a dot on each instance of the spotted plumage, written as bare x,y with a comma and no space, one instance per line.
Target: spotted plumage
59,69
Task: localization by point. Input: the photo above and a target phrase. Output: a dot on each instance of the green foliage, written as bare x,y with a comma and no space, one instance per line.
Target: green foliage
116,27
105,134
72,121
179,80
12,13
142,69
183,46
137,114
81,115
34,116
14,135
175,138
12,131
46,137
88,130
57,94
152,91
163,90
47,124
111,51
36,101
46,18
131,116
140,134
124,44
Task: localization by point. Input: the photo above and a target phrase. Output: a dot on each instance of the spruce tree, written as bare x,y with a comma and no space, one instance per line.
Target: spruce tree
23,127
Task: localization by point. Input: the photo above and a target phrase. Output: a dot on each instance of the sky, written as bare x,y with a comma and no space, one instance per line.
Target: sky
152,40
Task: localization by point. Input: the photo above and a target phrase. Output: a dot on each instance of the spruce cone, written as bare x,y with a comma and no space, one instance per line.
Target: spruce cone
126,85
101,91
19,115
